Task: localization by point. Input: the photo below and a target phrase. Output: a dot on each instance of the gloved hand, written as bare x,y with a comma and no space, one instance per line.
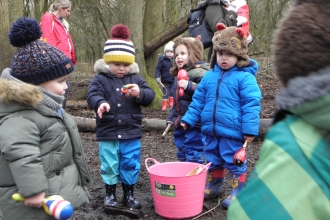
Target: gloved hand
158,80
231,19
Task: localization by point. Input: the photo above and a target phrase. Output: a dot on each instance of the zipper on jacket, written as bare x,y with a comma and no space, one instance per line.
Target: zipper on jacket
215,102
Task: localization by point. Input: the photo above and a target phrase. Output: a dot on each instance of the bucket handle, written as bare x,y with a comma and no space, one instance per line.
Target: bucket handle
153,160
206,167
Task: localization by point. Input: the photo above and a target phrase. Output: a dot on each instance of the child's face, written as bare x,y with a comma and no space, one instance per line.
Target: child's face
56,86
119,69
181,55
226,60
169,54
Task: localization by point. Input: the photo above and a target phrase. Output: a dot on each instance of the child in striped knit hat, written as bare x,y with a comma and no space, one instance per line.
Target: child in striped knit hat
118,118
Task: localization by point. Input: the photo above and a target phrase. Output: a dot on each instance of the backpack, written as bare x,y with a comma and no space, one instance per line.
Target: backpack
197,26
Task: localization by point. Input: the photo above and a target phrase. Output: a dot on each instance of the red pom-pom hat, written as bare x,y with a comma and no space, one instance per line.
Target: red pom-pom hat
119,48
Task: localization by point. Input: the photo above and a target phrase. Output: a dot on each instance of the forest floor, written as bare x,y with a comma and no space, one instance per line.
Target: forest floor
162,150
153,146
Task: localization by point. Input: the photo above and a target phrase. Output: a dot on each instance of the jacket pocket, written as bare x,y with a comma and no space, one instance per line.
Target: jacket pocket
53,163
138,117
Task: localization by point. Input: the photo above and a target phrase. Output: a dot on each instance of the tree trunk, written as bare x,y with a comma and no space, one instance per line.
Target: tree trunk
5,55
154,124
37,10
173,31
76,104
153,24
15,8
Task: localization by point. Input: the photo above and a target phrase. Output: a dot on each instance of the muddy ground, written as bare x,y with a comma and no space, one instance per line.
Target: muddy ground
163,150
153,146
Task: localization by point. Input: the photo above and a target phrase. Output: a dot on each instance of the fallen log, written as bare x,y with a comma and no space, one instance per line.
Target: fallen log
76,104
154,124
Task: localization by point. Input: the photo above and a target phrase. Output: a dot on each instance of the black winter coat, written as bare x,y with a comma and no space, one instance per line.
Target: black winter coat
123,121
163,70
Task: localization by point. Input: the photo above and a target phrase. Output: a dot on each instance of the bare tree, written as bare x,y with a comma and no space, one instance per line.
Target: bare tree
15,8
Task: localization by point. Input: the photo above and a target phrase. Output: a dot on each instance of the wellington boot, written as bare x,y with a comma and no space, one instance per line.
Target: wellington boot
128,197
214,184
164,104
110,196
170,101
237,184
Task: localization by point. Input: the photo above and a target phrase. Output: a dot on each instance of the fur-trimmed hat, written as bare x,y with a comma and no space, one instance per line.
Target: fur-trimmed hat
301,43
232,40
35,61
195,51
119,48
169,46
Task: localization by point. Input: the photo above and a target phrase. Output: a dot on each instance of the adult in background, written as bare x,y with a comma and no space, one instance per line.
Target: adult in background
55,31
214,14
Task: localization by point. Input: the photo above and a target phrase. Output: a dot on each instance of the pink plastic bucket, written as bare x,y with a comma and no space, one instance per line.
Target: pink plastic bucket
176,195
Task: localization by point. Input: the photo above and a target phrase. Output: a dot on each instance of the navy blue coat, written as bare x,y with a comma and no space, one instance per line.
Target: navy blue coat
123,121
163,70
181,104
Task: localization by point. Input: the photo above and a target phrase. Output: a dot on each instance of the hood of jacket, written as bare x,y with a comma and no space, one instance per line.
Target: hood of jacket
22,94
101,67
309,98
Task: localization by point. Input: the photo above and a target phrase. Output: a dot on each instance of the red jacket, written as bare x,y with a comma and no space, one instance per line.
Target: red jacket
54,33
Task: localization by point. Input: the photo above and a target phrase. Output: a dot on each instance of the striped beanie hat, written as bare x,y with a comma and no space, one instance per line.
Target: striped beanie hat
119,48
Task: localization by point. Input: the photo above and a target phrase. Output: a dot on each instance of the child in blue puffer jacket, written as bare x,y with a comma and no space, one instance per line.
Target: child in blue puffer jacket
227,101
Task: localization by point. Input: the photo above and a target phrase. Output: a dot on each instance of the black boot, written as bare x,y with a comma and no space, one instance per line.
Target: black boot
110,197
129,198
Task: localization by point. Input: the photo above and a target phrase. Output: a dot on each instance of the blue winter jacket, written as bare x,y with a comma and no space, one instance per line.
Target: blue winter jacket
124,119
163,70
227,102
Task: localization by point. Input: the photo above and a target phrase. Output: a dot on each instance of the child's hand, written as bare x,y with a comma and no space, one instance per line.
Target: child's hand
184,125
183,83
104,107
35,201
134,91
249,138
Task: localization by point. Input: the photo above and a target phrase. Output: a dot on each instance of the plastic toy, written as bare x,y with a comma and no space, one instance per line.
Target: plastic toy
182,74
54,205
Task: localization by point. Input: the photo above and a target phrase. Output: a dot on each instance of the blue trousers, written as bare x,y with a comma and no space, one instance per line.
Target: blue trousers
120,161
190,144
220,151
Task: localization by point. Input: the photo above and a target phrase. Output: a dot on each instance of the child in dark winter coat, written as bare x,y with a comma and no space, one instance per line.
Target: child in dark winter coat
291,179
188,56
119,116
41,151
227,101
163,75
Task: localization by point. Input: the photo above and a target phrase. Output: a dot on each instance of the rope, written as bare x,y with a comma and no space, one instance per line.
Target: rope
208,210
